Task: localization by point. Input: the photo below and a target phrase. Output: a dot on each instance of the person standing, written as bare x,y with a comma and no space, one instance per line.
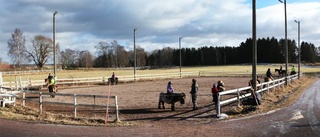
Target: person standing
193,92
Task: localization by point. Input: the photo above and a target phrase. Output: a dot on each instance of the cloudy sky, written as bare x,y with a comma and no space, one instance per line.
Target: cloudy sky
81,24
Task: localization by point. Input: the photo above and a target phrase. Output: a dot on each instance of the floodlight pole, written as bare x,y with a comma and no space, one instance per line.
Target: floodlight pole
286,39
54,44
254,47
135,54
299,51
180,53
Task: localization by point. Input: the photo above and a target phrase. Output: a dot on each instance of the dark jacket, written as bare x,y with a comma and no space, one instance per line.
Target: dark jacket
194,88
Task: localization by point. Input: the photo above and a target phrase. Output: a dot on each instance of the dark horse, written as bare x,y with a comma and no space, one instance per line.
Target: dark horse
172,99
113,81
280,72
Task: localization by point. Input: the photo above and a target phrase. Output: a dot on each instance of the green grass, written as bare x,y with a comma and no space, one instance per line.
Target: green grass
221,70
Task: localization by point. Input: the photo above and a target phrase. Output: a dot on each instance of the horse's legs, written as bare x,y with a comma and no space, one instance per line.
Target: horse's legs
159,107
51,91
172,106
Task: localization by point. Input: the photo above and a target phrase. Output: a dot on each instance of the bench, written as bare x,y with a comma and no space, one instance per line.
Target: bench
8,99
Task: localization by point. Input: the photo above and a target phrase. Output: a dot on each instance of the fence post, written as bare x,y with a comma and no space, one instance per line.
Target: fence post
16,83
103,80
75,105
117,109
218,106
24,98
40,102
94,103
20,80
238,97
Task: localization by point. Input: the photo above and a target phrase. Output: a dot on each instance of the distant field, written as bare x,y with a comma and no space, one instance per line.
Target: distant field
221,70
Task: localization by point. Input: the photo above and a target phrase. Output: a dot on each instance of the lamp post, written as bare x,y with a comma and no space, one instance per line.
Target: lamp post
135,54
286,40
254,47
54,44
299,51
180,53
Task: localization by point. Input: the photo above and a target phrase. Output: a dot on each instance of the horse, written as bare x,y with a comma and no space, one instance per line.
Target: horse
293,72
280,72
113,81
171,99
52,88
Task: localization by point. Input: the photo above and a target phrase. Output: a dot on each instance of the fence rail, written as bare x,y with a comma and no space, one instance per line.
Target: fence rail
266,86
75,103
20,84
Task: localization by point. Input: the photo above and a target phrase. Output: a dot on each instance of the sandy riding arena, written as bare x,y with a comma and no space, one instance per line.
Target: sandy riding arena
139,101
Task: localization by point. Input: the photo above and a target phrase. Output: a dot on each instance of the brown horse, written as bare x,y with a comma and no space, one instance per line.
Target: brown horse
51,88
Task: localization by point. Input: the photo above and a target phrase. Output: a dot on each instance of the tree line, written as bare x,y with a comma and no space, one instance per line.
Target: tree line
114,55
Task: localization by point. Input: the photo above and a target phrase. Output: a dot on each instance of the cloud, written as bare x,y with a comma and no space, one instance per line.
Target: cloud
81,24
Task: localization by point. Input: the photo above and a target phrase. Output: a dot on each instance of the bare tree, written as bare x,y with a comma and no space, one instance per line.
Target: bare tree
141,57
17,49
69,59
85,59
102,53
122,56
41,50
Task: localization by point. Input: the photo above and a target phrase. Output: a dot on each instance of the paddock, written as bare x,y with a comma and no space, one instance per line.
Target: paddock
139,100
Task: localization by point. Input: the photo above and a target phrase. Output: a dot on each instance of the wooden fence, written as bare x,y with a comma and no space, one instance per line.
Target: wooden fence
19,84
75,103
266,86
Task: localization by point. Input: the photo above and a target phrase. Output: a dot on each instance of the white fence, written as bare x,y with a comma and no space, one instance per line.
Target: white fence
19,84
75,103
266,86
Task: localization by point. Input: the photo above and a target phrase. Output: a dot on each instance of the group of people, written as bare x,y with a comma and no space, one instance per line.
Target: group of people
269,74
217,87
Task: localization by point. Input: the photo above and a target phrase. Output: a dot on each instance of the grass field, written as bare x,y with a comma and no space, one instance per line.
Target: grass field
221,70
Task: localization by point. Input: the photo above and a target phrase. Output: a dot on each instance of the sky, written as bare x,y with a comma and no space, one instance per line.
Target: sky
82,24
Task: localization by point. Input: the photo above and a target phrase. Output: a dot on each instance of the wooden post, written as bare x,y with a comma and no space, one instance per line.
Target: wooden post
20,80
75,105
24,98
218,106
238,98
40,102
117,109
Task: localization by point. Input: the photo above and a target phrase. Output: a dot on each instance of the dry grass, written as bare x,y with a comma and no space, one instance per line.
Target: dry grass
20,113
281,97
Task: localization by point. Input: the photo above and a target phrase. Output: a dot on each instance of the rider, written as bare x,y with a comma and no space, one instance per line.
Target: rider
280,68
193,92
170,90
51,84
113,78
269,74
293,70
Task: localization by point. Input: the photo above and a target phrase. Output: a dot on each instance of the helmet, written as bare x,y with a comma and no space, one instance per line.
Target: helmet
169,83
